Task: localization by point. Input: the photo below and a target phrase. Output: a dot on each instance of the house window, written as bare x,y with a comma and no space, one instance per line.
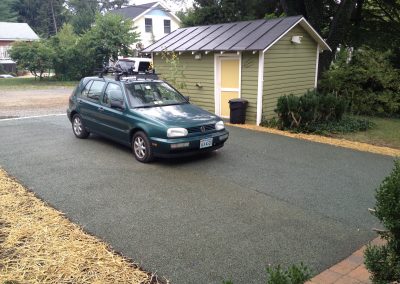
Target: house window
148,23
167,26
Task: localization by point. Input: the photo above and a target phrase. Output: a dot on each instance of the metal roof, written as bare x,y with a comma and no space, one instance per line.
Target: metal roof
17,31
238,36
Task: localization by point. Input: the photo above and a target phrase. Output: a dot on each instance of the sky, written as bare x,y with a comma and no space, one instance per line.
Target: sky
173,5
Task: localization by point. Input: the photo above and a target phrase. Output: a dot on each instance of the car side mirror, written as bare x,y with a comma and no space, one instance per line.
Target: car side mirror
187,98
117,104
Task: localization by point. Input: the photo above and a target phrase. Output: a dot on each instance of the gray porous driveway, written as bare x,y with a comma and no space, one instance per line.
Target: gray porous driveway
262,199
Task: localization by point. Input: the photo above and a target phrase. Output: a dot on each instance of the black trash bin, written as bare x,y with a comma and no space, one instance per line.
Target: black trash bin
238,111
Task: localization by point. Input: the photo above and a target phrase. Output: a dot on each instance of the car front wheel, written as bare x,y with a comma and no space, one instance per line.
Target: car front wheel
78,128
141,147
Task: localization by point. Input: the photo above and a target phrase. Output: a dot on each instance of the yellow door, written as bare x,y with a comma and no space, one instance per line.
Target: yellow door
230,83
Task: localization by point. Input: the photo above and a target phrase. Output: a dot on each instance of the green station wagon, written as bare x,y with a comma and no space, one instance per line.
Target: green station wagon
149,116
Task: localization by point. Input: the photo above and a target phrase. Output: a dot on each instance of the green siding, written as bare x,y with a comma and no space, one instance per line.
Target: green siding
202,72
249,84
288,69
194,71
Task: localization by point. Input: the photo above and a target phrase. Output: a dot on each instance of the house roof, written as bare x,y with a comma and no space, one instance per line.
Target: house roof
239,36
17,31
135,11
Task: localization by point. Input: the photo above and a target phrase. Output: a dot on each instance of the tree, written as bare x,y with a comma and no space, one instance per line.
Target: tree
7,14
37,56
44,16
218,11
83,13
67,64
111,35
79,56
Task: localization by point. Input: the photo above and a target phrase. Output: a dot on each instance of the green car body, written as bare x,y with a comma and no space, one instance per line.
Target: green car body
103,108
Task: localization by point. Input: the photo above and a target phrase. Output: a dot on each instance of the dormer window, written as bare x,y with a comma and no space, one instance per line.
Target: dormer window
167,26
148,23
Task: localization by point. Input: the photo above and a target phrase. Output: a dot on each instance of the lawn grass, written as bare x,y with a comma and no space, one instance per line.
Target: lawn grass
28,83
385,132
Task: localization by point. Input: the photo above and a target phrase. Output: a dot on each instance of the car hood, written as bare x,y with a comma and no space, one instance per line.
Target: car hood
184,115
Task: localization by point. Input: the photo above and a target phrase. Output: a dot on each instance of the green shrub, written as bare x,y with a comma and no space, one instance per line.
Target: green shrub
296,112
346,125
384,261
295,274
368,82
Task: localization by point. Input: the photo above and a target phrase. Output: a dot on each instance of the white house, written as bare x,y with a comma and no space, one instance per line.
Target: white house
10,33
153,20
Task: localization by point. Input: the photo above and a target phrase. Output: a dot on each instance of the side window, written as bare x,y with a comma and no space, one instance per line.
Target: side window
95,90
143,66
113,92
148,25
85,90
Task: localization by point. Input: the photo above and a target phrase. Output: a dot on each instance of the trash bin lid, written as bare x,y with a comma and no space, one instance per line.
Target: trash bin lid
242,101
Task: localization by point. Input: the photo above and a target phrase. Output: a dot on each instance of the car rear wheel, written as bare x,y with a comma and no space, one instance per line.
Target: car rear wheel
78,128
141,147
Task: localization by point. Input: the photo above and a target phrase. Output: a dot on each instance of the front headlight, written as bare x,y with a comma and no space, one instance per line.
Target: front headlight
219,125
176,132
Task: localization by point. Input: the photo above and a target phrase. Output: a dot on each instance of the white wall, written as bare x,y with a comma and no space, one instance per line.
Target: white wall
158,16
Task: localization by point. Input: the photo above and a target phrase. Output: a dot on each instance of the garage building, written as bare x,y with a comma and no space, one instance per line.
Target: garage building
257,60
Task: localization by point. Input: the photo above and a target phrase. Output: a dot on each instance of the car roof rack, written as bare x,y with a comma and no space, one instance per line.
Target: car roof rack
120,75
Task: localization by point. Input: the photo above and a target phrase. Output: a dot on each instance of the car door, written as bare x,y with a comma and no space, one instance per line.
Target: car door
89,104
114,122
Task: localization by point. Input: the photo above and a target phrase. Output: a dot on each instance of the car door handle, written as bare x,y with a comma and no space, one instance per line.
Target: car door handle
100,109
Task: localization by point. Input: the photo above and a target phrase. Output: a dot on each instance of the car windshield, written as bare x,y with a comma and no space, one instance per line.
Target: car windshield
152,94
125,64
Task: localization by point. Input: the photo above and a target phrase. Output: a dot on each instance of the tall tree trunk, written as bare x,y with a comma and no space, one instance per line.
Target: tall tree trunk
53,16
337,32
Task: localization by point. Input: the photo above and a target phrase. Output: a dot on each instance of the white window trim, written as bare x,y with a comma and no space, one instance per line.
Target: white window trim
217,79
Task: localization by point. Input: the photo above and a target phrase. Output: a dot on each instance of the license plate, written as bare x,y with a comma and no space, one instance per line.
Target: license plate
205,143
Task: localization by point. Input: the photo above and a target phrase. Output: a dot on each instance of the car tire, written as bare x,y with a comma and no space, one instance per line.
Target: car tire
141,147
78,128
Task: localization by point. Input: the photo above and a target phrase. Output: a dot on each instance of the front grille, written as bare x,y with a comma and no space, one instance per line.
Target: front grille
201,128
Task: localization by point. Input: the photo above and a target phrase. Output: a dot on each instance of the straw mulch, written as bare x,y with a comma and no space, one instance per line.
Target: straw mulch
39,245
359,146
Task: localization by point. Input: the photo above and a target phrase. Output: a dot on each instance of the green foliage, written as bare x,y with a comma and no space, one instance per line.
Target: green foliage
347,124
7,14
79,56
175,75
110,36
34,56
67,63
368,82
2,71
384,262
45,17
83,14
295,274
301,111
212,12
